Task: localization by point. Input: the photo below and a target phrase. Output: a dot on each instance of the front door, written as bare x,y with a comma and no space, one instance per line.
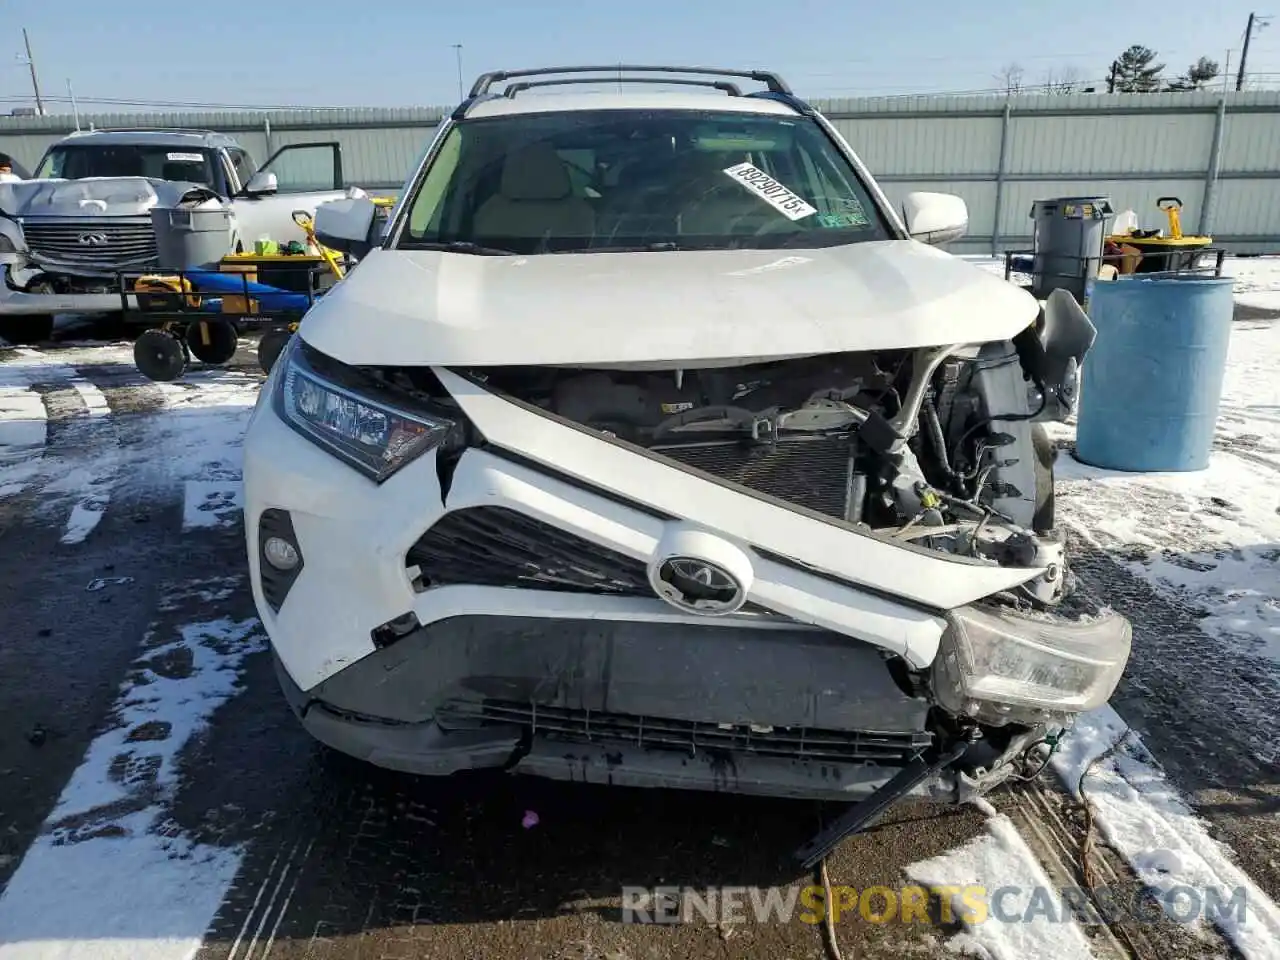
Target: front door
307,175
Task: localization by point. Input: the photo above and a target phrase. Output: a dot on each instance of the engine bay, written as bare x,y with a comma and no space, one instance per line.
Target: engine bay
933,447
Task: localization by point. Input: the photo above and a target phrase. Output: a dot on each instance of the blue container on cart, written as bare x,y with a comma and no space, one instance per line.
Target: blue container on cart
1151,384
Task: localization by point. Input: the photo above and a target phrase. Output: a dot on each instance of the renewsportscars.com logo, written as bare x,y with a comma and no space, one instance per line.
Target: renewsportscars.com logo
916,904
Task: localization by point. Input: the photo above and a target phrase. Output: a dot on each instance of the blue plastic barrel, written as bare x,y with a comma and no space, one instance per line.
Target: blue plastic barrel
1152,382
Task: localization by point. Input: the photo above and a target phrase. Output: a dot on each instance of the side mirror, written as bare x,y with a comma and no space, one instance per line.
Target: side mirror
262,182
345,225
935,218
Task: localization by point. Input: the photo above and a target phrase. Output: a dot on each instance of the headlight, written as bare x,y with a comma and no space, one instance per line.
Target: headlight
999,666
355,420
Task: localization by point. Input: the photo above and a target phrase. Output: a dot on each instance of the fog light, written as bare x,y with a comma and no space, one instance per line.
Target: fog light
280,553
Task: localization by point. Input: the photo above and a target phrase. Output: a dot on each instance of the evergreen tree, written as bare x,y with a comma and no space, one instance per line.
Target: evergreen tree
1135,71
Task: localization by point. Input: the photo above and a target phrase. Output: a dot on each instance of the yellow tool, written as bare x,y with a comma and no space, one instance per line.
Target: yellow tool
303,219
1172,208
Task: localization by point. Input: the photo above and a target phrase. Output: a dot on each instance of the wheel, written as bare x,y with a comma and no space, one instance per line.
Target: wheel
271,346
1045,454
213,340
160,355
33,329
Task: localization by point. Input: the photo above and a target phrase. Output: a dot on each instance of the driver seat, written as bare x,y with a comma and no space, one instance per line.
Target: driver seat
535,199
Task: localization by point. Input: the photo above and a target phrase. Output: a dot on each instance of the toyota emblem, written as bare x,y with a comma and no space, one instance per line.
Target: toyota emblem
699,586
93,239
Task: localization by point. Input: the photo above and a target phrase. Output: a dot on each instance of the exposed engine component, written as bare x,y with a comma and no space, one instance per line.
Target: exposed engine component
931,446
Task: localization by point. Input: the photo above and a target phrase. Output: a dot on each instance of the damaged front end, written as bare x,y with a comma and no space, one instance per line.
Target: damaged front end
66,239
571,491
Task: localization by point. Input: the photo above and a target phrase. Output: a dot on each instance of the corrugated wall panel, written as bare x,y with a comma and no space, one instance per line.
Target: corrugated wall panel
1120,144
936,143
370,157
1246,208
925,146
1137,195
1251,141
979,196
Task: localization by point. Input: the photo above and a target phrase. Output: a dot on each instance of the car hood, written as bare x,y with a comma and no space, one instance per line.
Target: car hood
660,308
93,197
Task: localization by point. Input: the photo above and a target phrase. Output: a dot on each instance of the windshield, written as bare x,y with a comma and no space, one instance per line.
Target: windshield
632,179
128,160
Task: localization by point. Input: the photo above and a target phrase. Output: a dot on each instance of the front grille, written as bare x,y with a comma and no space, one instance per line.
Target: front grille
100,243
810,471
585,726
497,547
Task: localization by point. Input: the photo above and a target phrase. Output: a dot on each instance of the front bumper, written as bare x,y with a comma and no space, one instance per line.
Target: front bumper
842,629
635,704
15,302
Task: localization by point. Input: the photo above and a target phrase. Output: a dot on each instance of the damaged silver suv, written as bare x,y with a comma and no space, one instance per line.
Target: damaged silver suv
648,444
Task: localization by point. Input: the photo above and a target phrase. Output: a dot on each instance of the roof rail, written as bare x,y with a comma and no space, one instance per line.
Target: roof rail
486,80
193,130
730,88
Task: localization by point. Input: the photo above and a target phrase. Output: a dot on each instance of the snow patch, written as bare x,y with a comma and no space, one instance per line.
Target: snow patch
102,882
1143,817
1001,859
211,503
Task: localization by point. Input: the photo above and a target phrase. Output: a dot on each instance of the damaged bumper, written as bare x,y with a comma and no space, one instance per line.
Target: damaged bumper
635,704
511,605
23,294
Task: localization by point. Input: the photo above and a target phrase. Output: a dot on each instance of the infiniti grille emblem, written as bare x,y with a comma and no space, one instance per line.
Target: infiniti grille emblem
93,239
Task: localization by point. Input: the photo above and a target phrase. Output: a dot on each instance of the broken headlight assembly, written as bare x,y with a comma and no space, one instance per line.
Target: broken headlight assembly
998,666
353,417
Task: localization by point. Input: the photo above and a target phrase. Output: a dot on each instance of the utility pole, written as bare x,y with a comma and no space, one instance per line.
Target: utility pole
1111,78
35,81
1256,23
74,111
457,49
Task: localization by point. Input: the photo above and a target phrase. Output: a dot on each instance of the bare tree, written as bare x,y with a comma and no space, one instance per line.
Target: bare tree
1010,77
1062,80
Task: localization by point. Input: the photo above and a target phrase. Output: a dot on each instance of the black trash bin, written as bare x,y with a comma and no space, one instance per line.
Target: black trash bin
1069,236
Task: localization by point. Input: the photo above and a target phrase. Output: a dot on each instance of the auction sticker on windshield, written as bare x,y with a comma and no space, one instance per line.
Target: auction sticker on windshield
771,191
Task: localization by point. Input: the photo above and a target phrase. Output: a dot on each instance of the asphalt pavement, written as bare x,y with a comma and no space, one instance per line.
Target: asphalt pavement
326,858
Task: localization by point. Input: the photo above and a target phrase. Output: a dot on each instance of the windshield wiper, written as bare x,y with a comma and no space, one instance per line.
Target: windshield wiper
461,246
656,247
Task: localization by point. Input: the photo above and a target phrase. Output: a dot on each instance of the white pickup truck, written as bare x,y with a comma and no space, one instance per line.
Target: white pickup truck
85,215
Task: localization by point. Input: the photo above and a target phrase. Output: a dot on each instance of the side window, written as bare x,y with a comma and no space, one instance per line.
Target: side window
243,165
304,167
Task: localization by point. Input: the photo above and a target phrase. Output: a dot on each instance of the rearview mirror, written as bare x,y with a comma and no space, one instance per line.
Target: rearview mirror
935,218
262,182
345,225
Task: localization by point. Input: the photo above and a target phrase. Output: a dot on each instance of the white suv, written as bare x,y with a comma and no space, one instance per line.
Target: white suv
648,445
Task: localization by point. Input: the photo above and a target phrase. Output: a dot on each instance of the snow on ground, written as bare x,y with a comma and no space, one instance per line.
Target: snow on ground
1257,281
1210,538
1144,818
207,459
197,447
1023,917
110,878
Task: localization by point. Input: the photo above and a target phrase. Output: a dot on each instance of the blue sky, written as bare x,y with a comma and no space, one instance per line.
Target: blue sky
398,52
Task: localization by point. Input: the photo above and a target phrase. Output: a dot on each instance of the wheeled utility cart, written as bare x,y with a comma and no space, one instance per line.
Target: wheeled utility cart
201,313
